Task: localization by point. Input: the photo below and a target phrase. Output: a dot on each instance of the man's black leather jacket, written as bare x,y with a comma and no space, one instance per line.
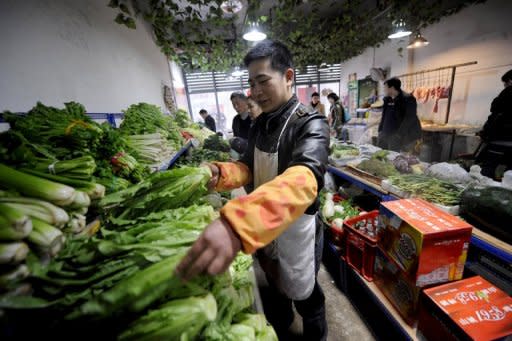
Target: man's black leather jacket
305,142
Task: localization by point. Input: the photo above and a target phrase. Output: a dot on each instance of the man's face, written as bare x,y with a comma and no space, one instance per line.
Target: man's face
204,114
270,88
240,105
388,91
315,99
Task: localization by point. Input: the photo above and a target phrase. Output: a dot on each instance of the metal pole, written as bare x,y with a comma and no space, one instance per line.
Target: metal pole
437,69
188,94
450,96
215,89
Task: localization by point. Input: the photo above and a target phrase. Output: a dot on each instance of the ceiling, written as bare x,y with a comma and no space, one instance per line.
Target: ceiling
198,35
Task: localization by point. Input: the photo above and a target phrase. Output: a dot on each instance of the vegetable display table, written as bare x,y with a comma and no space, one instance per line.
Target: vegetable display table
489,257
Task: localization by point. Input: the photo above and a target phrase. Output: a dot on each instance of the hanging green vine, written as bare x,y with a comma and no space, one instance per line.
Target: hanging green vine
198,35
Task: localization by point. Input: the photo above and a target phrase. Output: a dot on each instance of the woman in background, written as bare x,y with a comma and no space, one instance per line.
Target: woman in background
254,109
336,115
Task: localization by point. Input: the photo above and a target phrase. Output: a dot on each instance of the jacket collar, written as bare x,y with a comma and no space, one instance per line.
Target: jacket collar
271,121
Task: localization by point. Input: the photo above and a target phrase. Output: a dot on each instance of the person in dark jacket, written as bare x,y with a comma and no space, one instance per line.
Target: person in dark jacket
315,103
400,127
336,114
499,124
241,122
286,161
209,122
497,132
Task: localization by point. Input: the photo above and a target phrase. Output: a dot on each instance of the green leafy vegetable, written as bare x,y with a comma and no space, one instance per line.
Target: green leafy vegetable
428,188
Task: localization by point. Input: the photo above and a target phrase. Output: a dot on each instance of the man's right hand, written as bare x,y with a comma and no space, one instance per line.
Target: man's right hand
212,184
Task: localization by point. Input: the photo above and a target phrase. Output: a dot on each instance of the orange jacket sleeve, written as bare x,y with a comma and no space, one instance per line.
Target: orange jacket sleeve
232,175
263,215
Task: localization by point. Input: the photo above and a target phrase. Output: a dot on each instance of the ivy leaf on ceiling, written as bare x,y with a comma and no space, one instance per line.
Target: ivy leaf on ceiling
197,35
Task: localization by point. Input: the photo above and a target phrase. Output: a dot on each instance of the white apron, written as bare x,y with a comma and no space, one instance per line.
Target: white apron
289,261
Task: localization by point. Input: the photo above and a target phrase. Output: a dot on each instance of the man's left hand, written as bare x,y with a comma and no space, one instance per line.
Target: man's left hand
212,252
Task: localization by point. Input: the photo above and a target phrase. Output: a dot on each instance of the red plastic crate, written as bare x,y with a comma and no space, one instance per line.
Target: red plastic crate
360,247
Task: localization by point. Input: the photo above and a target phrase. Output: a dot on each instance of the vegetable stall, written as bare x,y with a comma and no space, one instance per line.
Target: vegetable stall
91,233
372,178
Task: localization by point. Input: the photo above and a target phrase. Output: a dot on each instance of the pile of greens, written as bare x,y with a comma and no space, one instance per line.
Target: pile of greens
66,142
198,156
198,132
428,188
334,212
37,211
61,130
378,165
217,143
170,189
339,151
144,118
122,280
182,118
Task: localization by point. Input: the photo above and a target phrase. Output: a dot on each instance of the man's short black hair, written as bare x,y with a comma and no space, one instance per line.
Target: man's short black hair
279,55
315,94
239,95
507,76
333,96
203,111
394,83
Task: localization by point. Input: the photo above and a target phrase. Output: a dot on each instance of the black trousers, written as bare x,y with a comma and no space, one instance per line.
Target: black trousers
278,307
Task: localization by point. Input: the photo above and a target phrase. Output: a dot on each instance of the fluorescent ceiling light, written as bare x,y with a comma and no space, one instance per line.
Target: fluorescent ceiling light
418,41
254,33
400,30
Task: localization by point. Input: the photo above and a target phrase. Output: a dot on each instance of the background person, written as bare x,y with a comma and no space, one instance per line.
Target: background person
400,127
336,114
254,109
241,122
497,132
315,103
209,122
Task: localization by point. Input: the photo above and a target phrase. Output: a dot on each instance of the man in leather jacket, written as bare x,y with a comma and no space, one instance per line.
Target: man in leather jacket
300,140
400,128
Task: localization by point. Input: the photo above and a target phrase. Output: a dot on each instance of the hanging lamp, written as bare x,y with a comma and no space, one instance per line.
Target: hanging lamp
418,41
400,30
253,33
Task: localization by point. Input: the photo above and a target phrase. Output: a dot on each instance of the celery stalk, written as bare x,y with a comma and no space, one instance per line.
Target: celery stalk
36,208
15,275
46,237
81,200
14,218
13,253
35,187
7,232
94,190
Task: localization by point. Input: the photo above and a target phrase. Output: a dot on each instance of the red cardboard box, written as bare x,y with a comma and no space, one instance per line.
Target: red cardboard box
427,243
471,309
400,290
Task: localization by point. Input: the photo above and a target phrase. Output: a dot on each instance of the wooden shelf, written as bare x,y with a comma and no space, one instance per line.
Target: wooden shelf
500,244
411,332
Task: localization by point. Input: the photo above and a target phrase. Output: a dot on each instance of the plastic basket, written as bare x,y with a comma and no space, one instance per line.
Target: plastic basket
360,246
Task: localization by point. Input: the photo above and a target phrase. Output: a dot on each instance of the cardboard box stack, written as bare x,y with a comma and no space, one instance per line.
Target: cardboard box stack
420,246
471,309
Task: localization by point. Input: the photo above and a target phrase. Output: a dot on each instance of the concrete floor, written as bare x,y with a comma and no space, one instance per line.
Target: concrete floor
343,320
